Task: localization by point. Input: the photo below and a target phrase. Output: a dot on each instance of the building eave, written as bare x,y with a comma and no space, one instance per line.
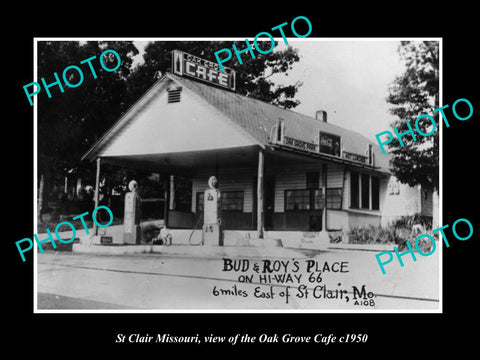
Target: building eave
326,157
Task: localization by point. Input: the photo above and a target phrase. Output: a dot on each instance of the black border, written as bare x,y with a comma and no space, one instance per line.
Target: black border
94,334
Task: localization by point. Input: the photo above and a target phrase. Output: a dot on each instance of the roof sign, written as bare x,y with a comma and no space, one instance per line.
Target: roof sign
185,64
330,144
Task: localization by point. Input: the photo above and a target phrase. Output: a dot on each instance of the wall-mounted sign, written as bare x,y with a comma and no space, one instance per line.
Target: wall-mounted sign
355,157
300,144
329,144
185,64
106,240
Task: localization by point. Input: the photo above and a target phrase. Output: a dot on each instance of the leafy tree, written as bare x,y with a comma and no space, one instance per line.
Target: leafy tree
251,76
412,94
69,122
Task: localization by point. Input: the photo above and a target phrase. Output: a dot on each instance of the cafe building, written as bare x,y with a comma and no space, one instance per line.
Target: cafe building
281,174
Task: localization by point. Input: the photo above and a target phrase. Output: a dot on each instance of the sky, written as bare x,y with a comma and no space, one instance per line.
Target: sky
348,78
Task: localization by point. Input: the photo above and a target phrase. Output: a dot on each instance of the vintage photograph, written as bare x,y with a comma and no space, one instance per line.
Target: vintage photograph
164,184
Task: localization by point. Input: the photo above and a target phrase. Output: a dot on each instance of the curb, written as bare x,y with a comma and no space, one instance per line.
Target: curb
212,251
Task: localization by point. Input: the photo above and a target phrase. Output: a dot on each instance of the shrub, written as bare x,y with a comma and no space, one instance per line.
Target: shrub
424,245
398,232
404,232
409,221
372,234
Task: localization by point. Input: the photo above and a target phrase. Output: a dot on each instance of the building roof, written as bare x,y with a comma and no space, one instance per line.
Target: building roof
254,116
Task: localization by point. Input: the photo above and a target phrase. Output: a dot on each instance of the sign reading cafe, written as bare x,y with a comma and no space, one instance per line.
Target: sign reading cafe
185,64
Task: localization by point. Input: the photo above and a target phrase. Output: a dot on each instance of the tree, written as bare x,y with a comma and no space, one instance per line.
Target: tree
412,94
251,76
69,122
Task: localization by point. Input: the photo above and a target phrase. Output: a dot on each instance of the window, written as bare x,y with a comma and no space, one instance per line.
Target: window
313,180
375,193
365,191
393,187
280,131
312,199
334,198
354,186
318,199
370,154
297,200
200,205
232,201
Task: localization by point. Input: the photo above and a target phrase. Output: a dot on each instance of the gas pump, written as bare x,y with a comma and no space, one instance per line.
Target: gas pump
132,215
212,214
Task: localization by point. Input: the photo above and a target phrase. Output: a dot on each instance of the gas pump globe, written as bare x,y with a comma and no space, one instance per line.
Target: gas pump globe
212,214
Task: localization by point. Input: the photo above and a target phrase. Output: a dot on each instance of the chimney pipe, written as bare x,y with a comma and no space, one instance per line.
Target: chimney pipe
321,115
